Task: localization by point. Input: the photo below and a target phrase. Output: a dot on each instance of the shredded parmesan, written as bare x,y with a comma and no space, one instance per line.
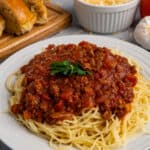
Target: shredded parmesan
106,2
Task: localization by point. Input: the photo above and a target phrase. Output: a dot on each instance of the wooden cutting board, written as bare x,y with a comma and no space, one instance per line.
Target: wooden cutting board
57,20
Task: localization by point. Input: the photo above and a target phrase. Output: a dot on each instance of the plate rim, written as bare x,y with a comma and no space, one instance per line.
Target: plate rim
139,49
76,35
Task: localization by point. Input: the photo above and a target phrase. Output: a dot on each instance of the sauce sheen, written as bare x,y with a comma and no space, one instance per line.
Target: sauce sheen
47,98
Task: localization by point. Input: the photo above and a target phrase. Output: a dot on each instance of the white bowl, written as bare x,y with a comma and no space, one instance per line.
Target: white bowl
105,19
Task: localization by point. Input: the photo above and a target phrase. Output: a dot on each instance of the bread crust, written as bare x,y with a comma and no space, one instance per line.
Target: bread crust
38,7
19,19
2,25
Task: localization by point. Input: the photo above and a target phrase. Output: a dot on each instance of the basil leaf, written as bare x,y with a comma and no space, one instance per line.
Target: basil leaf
67,68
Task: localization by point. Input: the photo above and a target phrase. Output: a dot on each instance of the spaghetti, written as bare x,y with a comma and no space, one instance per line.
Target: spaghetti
90,130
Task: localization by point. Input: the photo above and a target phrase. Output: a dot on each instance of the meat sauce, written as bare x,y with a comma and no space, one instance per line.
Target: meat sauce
49,99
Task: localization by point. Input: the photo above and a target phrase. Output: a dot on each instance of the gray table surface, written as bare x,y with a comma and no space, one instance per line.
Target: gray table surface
76,29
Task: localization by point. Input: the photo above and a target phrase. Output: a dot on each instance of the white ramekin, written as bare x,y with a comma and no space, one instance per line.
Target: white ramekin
105,19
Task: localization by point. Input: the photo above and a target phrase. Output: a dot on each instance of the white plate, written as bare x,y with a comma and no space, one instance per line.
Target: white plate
18,137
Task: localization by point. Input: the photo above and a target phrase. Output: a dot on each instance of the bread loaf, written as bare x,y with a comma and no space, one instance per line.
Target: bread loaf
2,25
19,19
38,7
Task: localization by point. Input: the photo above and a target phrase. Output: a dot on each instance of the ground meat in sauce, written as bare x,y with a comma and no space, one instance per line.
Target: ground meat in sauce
49,99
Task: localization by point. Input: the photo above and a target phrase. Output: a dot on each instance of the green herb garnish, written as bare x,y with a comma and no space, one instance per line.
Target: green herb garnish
67,68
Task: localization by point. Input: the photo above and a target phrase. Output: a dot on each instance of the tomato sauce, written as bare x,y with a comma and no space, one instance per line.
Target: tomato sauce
49,99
